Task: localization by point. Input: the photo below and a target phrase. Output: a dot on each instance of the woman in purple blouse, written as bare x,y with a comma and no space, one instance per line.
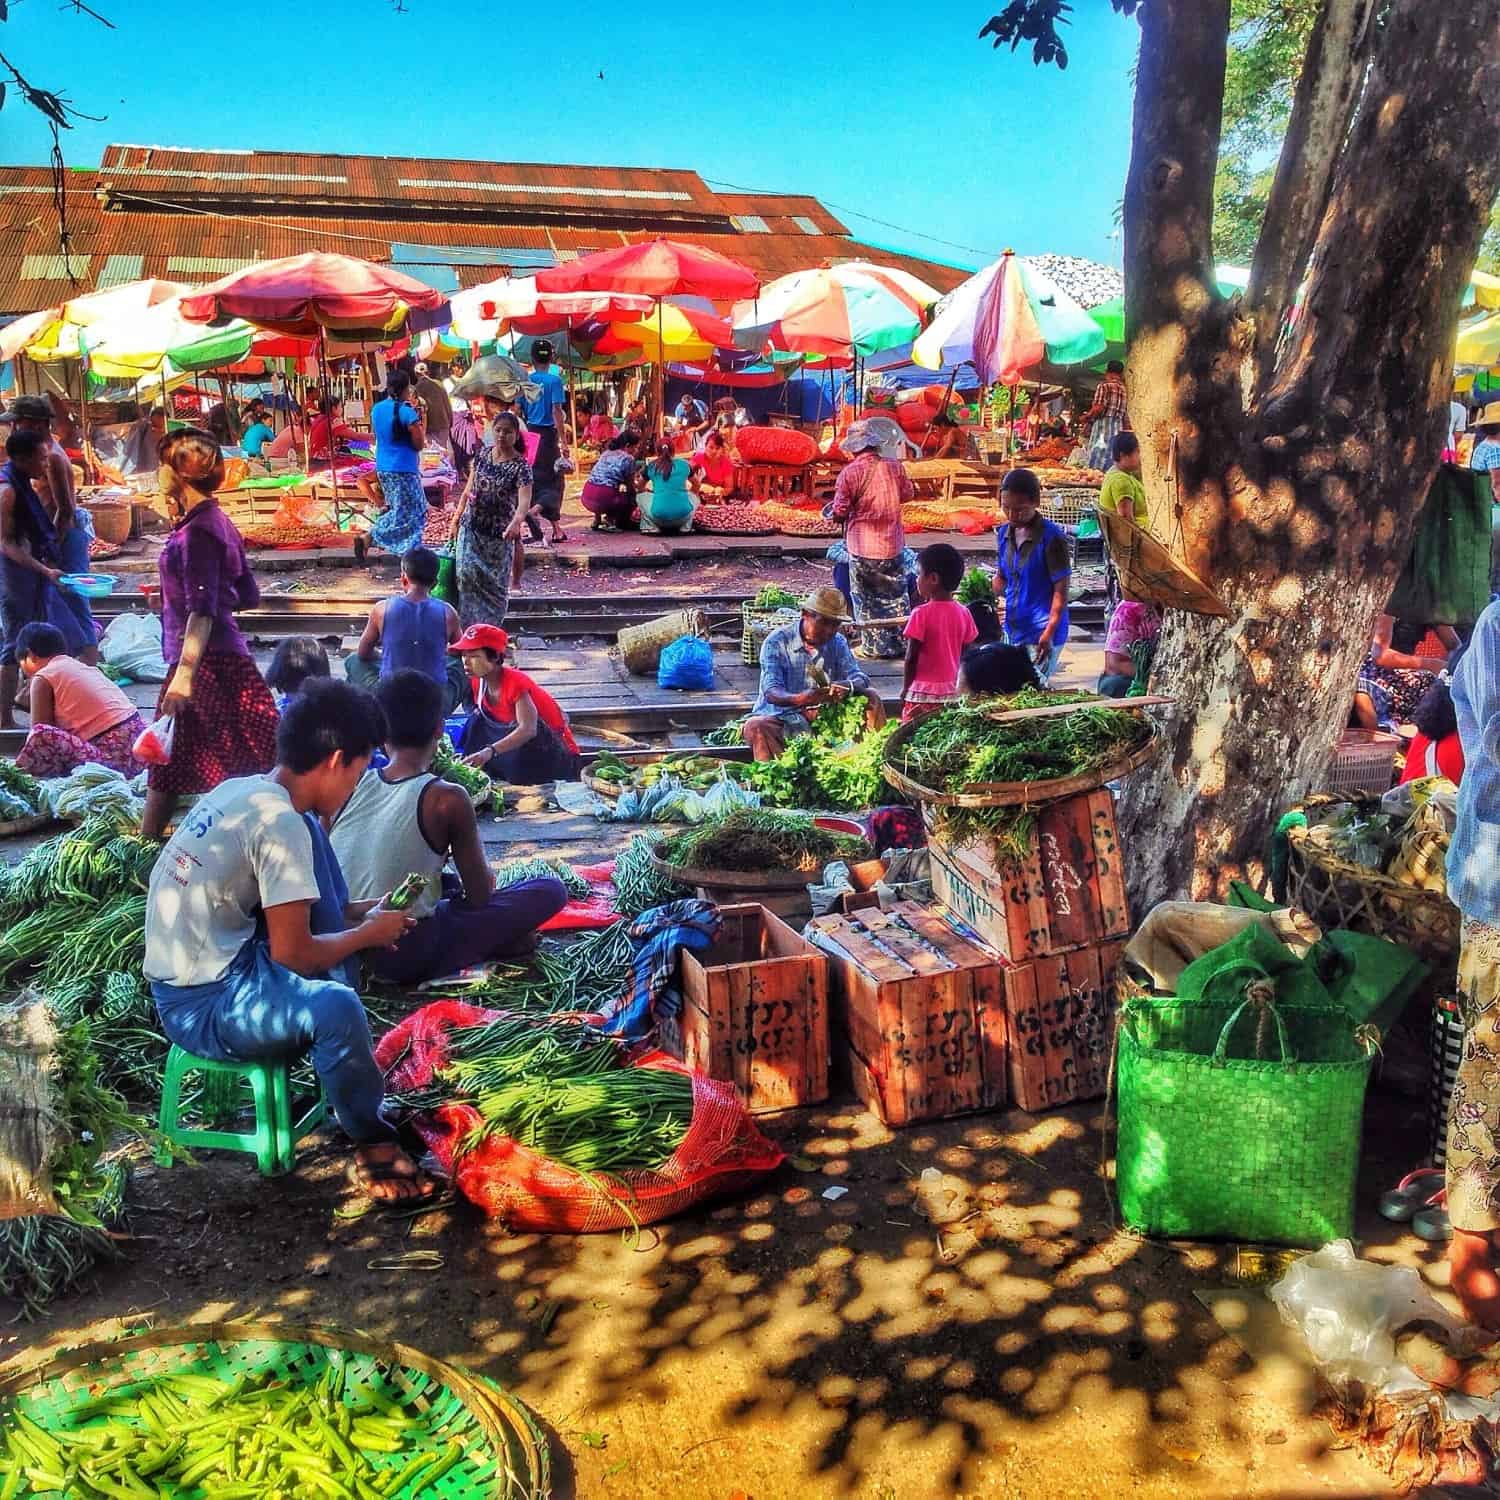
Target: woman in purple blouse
225,715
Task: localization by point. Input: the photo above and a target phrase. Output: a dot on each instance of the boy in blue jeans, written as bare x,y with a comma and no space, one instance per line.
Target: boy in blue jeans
249,928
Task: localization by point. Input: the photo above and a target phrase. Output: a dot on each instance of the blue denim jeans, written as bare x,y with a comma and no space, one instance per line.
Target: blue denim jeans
259,1008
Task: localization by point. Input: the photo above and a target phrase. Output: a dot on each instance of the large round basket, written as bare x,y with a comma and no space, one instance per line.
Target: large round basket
111,520
781,891
1337,893
1010,793
641,646
505,1454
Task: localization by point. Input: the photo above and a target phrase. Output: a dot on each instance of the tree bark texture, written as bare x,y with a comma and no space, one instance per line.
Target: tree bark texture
1297,486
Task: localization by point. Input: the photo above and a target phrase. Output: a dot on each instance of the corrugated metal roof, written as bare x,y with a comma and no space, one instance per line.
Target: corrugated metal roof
54,267
196,245
788,206
184,173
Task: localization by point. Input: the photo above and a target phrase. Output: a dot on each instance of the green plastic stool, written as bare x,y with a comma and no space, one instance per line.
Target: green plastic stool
273,1142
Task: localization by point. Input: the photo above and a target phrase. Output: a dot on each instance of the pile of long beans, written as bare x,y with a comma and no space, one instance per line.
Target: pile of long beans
244,1439
562,1088
514,871
639,884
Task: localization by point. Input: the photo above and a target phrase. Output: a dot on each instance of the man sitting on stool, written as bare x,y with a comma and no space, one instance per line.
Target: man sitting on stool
403,820
249,926
811,647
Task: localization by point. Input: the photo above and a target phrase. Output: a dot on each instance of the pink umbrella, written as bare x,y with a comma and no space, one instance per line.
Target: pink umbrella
314,293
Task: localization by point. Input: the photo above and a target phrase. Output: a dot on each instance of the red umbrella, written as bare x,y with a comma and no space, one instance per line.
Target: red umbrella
657,268
308,294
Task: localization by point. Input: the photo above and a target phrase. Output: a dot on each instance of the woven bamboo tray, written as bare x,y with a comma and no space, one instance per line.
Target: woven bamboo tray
1337,893
737,880
505,1452
1022,793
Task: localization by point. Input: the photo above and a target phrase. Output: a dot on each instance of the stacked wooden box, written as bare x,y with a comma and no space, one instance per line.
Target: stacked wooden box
755,1011
918,1013
1059,917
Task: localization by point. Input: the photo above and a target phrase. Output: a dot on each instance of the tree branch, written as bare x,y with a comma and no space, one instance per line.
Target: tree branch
1328,88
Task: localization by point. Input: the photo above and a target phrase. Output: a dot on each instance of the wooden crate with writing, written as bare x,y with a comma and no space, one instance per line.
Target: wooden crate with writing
1061,1013
755,1011
918,1013
1069,890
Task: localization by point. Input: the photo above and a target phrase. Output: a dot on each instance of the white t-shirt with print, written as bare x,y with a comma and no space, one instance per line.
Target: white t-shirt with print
242,847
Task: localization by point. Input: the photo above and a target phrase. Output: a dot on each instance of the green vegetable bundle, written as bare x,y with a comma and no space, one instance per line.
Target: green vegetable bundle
245,1439
43,1255
958,748
639,885
562,1088
21,795
449,764
976,587
814,772
514,871
773,596
579,975
755,839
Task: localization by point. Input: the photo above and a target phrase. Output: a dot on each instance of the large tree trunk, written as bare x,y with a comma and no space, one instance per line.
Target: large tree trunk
1298,505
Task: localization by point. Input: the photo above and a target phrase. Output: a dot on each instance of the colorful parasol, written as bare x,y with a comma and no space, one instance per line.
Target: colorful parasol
315,294
1006,320
56,334
514,304
677,331
656,268
852,308
1479,341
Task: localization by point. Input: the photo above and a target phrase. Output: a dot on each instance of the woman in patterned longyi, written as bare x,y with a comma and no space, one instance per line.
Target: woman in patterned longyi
224,714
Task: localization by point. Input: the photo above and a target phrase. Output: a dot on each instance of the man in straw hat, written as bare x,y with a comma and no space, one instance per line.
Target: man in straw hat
803,666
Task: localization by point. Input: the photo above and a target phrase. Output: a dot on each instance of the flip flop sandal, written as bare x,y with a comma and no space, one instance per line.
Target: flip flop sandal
363,1176
1432,1225
1414,1191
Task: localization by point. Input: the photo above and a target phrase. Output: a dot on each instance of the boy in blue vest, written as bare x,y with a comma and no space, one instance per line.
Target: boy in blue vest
1035,569
411,631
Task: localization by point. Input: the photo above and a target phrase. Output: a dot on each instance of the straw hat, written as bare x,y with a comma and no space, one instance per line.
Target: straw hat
828,602
1489,416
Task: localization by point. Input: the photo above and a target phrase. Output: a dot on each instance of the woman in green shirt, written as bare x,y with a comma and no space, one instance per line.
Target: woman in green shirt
669,506
1122,490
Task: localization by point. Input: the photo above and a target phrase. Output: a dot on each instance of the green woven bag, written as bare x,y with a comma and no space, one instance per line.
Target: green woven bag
1218,1140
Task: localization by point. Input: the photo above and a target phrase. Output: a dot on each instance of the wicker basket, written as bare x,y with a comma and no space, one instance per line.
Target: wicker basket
641,646
505,1452
1337,893
1011,793
759,623
111,521
1068,506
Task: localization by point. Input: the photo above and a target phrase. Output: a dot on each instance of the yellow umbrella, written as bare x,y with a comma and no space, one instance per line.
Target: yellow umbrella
669,335
59,338
1479,342
1486,289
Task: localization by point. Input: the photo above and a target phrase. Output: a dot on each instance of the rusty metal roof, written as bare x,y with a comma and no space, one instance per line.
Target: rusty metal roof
113,244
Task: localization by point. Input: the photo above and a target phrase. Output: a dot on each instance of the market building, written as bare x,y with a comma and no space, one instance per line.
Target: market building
192,215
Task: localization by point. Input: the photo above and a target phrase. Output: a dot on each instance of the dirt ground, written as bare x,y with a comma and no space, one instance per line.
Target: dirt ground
785,1343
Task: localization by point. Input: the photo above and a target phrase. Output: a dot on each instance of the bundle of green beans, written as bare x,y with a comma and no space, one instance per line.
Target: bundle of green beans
514,871
245,1439
449,764
639,884
589,972
561,1088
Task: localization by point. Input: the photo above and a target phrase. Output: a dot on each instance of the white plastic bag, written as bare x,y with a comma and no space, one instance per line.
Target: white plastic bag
1349,1311
132,644
154,743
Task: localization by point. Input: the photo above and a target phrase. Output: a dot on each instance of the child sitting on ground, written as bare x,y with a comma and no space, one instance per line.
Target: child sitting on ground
936,633
403,820
77,714
298,659
411,630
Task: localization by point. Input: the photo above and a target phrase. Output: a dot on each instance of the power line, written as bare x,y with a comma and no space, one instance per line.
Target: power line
737,187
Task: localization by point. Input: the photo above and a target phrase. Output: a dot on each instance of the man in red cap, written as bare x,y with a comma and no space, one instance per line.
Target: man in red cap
517,732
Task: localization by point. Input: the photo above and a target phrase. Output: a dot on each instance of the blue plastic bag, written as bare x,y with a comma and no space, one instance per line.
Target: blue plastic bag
687,663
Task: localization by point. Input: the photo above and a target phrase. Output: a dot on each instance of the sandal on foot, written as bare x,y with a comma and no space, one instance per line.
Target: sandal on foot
363,1175
1413,1192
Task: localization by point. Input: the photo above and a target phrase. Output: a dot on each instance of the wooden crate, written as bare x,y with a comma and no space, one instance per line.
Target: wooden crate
924,1033
1069,890
1061,1009
755,1011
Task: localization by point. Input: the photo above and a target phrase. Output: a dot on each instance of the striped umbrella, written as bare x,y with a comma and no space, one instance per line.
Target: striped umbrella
854,308
1005,321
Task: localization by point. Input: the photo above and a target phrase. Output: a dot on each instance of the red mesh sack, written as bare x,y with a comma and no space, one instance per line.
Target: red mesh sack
721,1153
775,445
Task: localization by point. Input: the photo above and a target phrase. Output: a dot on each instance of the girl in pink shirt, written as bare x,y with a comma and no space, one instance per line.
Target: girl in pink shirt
77,714
936,633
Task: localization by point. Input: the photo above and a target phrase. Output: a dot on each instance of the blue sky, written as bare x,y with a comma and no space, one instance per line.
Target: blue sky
896,110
